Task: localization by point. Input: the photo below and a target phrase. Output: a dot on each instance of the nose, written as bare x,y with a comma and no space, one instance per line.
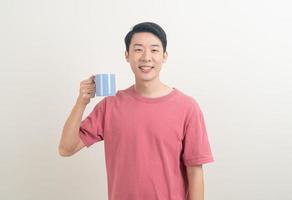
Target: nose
146,57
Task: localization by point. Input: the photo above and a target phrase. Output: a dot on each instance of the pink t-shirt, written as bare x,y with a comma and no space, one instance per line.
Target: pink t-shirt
148,143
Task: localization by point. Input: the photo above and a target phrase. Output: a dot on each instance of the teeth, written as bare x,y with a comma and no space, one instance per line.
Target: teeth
145,67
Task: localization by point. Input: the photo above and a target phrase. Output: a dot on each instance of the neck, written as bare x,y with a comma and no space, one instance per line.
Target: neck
152,89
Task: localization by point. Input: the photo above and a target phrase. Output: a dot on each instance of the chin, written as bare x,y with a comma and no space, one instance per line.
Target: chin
149,78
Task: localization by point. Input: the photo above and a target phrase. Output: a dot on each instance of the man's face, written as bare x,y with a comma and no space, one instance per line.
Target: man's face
145,56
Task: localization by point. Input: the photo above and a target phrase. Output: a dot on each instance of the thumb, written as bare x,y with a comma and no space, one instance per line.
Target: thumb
92,77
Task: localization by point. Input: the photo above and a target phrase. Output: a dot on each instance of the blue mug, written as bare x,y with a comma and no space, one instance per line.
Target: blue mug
105,84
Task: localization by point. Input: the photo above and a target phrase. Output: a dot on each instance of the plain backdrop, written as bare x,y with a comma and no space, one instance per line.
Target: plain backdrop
233,57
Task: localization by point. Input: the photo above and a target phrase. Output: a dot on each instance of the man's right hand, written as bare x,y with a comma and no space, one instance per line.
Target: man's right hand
87,90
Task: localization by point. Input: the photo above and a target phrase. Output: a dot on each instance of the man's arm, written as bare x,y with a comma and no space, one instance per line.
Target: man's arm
196,182
70,141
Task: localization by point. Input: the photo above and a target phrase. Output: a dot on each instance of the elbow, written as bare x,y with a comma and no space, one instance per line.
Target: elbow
64,153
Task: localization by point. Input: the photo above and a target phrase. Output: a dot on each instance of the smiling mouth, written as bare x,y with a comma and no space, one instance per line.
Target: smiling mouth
146,69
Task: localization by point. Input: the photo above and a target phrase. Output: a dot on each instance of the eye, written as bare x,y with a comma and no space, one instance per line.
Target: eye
137,50
155,50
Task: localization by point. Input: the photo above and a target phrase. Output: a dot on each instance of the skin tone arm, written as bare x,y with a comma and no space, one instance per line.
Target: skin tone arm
70,141
195,176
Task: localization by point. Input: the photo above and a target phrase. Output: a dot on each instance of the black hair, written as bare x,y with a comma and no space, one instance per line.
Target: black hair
147,27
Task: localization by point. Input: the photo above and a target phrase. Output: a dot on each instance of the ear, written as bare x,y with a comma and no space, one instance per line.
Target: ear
127,55
165,55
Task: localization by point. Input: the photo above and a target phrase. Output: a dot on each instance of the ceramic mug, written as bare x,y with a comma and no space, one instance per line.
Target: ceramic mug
105,84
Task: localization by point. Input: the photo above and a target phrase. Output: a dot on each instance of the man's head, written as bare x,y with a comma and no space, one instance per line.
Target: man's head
146,50
149,27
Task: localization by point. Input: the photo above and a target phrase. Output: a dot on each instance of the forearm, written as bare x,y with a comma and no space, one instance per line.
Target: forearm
196,184
70,133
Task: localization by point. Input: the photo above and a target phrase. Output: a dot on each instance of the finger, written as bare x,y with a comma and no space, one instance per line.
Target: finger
91,94
86,91
89,80
87,87
92,78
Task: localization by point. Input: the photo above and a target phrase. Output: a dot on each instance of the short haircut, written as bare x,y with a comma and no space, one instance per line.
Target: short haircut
147,27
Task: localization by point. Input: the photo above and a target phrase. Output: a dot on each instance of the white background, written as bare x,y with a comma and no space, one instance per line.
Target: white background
233,57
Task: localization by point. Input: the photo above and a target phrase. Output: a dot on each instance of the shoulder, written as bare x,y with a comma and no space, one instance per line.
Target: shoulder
189,101
190,104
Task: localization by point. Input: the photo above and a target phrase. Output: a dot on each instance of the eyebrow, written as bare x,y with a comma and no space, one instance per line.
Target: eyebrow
153,45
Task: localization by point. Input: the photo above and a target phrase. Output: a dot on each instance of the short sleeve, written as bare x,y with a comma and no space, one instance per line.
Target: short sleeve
196,147
92,127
